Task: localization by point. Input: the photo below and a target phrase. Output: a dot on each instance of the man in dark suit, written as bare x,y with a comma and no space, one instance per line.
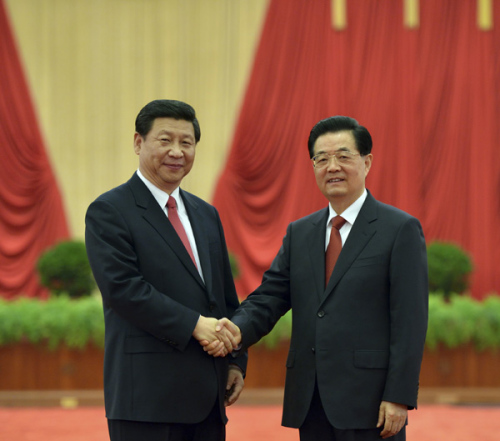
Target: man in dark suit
160,260
358,337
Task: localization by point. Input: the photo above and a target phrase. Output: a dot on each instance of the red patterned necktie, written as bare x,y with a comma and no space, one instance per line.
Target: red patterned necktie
334,247
173,217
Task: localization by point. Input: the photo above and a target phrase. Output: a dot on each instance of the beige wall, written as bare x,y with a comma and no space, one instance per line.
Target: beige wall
92,64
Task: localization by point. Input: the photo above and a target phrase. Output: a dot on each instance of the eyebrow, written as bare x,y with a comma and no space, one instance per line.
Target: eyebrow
182,135
340,149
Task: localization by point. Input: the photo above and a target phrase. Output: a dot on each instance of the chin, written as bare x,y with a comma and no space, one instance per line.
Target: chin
332,194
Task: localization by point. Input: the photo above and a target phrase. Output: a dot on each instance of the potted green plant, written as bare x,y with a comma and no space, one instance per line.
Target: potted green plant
449,268
65,268
57,321
53,344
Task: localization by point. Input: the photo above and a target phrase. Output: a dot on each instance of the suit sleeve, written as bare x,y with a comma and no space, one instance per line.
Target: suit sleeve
115,265
262,309
408,313
239,358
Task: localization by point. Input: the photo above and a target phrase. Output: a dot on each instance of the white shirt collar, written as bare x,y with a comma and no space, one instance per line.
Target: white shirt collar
351,213
162,196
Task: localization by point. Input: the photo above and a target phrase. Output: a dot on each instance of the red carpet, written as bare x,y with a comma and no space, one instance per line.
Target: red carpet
247,423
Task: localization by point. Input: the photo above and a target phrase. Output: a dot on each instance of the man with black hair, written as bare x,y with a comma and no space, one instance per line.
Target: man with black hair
160,260
354,275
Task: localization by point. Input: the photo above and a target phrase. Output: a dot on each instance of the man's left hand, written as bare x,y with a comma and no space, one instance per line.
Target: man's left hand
227,329
234,386
392,417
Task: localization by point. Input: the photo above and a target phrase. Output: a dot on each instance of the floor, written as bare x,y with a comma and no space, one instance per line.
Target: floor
247,422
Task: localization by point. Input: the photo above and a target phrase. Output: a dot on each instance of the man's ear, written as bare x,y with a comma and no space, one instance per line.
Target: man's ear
368,163
138,140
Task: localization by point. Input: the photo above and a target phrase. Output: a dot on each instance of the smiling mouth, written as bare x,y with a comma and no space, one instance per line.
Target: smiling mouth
173,166
334,180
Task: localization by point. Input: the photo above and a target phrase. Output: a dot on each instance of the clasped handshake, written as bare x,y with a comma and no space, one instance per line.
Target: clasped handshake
218,337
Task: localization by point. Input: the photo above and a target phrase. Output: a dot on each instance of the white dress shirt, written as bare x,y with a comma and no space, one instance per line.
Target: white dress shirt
162,198
350,215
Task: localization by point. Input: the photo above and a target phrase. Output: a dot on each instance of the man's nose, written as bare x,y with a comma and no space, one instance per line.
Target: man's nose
333,164
175,150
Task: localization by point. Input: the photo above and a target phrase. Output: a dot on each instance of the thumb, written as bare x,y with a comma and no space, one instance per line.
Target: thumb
223,322
381,417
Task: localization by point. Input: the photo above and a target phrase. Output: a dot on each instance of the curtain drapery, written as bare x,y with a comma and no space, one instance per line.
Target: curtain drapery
429,96
90,72
31,211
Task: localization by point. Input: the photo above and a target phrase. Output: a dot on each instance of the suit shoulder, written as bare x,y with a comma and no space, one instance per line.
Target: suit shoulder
118,193
312,218
197,201
392,211
394,217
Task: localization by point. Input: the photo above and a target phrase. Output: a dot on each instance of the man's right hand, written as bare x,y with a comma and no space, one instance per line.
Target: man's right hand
226,331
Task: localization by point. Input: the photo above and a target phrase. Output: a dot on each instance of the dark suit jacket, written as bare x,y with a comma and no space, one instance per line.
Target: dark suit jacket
154,370
363,336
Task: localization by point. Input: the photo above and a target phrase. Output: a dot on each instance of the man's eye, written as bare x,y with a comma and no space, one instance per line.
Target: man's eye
343,156
321,160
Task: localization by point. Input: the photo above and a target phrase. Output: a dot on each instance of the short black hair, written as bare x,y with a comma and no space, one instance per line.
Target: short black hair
335,124
166,109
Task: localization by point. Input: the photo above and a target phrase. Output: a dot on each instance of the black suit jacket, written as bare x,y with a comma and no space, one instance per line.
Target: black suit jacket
153,295
363,336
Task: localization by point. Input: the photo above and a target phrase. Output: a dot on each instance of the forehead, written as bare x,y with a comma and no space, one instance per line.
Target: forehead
333,141
172,125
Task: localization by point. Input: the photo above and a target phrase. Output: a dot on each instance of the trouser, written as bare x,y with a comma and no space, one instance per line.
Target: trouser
317,427
210,429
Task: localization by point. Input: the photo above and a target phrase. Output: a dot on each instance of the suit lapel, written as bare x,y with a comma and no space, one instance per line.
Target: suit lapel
315,239
198,224
360,234
155,216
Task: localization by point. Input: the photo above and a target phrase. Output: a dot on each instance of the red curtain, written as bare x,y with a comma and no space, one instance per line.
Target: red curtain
429,96
31,212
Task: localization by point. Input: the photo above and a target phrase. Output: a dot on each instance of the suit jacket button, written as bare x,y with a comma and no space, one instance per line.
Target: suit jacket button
212,306
313,350
321,314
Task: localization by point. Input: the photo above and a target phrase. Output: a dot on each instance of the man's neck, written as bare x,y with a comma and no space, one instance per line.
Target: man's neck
341,204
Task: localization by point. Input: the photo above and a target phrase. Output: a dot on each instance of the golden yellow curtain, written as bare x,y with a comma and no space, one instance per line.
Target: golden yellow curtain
92,64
